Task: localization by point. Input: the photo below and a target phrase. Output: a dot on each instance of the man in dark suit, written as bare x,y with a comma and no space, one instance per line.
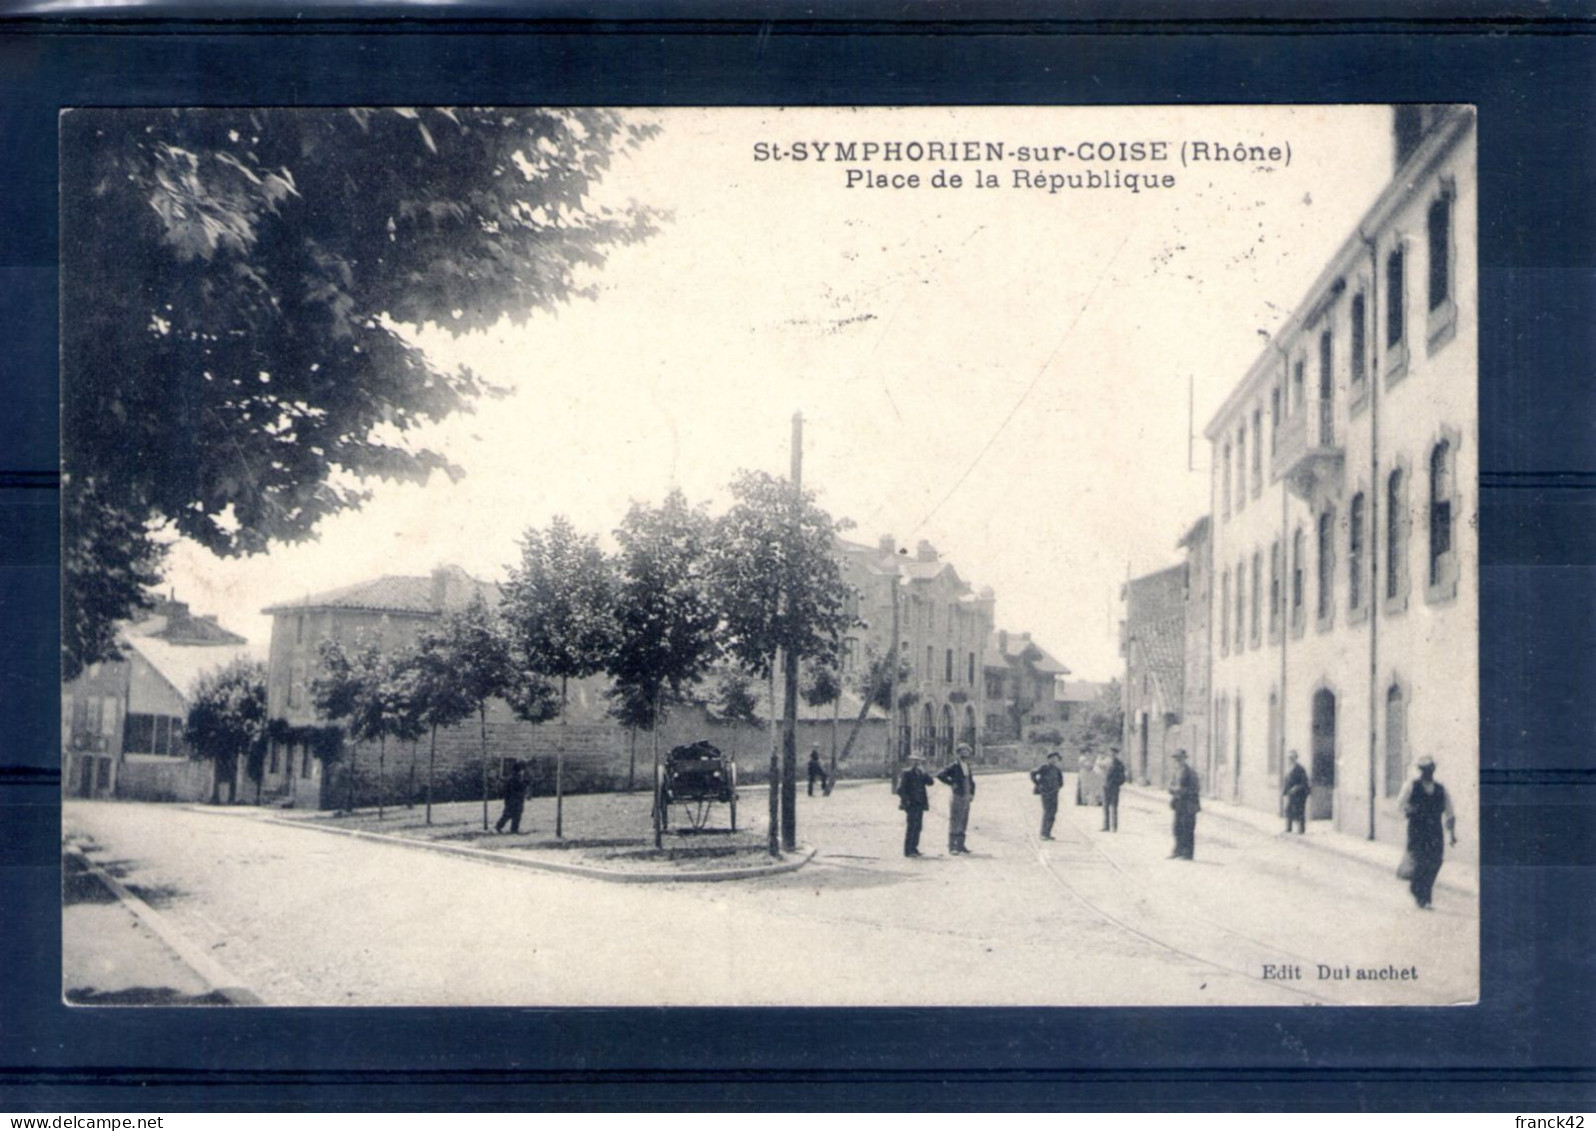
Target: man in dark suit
1113,778
912,784
1295,790
1185,801
1048,779
960,777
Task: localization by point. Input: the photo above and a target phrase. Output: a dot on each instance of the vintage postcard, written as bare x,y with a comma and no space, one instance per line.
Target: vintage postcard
1015,556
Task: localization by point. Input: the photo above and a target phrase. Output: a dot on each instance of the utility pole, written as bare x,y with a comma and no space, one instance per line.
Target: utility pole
893,753
789,739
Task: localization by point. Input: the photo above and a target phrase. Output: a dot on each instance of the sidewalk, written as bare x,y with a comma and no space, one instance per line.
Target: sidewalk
1383,857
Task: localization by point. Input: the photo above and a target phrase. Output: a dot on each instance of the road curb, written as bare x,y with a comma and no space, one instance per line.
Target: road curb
217,976
792,863
1320,844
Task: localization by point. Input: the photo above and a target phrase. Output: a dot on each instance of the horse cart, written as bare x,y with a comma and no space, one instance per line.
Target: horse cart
695,779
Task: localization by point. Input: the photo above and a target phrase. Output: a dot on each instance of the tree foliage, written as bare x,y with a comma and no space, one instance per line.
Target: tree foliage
109,564
227,719
775,574
559,604
666,620
242,283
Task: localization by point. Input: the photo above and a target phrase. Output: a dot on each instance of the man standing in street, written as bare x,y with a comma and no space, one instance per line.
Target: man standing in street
1048,779
1113,777
912,784
960,777
1427,806
514,800
1184,800
1295,790
817,771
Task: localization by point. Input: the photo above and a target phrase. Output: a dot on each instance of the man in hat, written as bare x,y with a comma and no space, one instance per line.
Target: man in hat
1184,800
1295,790
912,784
1427,806
1047,779
960,777
514,800
1114,776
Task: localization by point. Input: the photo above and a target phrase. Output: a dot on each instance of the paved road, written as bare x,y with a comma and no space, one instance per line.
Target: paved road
306,918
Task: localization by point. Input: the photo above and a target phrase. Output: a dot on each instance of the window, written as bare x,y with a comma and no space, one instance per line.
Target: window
1441,582
1241,467
947,671
1439,227
1324,553
1396,298
1221,729
1274,419
1274,591
273,767
1360,344
153,734
1257,450
304,761
1224,498
972,669
1396,564
299,629
1327,387
1273,753
1241,604
930,661
1224,613
1396,739
1257,593
1237,778
1296,580
1297,387
1355,555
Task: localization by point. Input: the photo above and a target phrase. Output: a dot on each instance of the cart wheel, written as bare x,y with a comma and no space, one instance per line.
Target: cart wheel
734,811
662,811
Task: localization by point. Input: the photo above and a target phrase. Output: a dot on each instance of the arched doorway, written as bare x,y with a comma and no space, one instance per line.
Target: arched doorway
967,734
1322,773
947,732
928,733
904,745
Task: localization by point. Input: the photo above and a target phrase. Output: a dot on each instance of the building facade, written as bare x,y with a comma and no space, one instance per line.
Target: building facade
1345,620
942,627
1153,642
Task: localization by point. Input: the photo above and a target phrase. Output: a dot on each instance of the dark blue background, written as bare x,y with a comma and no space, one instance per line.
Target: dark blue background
1527,1047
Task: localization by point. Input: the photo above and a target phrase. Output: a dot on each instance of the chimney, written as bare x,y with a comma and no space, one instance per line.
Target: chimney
1003,641
887,544
925,552
440,588
1408,126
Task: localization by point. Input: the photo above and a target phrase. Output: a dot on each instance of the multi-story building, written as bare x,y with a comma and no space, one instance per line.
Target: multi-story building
1345,615
1153,642
1022,685
942,626
122,720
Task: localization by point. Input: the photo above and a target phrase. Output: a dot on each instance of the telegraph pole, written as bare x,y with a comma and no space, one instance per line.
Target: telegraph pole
789,739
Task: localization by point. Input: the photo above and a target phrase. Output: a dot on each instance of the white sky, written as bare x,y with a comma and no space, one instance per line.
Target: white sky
906,325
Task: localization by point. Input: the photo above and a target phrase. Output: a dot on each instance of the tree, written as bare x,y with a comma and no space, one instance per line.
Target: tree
733,700
665,619
559,606
875,690
476,665
629,708
346,690
438,695
779,588
822,685
227,720
244,285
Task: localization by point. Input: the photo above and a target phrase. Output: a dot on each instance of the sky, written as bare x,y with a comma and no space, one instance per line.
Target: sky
1003,371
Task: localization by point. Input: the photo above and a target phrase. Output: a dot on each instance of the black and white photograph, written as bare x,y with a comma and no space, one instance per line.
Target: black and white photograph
881,556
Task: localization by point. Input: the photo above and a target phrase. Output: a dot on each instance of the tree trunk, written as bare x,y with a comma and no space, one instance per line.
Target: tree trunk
836,709
774,839
432,761
559,770
631,769
410,790
482,722
659,817
789,759
350,774
382,758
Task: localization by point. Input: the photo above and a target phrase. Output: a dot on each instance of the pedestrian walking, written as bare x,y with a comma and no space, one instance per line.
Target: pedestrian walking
1046,780
1184,800
817,771
1114,776
912,784
1295,790
514,800
960,777
1428,807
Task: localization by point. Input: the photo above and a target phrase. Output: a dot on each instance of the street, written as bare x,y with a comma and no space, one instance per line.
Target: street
302,917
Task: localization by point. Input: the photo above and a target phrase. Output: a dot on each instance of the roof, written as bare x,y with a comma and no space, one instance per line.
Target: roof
184,665
1161,645
171,621
448,587
1004,649
1079,691
1197,533
1156,595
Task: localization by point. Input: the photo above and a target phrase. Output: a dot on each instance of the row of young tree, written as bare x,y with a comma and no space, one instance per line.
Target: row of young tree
691,607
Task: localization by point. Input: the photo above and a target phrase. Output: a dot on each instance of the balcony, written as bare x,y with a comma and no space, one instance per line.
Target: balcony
1307,454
